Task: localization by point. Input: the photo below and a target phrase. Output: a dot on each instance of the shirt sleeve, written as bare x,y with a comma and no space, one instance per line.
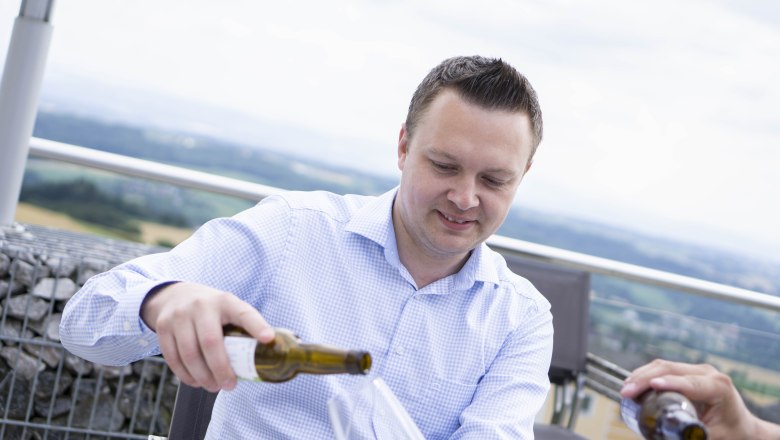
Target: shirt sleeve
515,386
102,321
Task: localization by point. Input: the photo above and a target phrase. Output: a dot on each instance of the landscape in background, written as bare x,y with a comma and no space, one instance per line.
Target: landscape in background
630,323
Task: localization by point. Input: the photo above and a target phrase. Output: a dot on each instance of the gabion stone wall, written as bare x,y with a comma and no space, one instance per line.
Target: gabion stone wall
46,392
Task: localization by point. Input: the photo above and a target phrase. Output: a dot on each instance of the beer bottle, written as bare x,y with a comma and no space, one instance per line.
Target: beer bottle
663,415
283,358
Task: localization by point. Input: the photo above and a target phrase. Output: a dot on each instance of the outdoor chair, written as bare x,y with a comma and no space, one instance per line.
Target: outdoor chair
191,413
568,292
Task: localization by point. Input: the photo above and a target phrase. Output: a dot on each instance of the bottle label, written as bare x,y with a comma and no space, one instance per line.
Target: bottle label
629,410
241,352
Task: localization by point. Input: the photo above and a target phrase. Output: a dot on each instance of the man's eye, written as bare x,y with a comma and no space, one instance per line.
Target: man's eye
442,166
494,182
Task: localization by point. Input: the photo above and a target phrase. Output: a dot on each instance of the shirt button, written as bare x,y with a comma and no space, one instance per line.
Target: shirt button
399,350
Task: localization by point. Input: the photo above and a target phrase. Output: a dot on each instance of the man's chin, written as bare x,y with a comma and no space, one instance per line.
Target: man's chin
458,248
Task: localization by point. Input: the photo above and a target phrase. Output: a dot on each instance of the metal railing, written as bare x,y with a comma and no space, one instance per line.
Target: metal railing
255,192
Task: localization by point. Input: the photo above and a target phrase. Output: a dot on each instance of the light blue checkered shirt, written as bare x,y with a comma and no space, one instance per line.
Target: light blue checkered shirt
467,355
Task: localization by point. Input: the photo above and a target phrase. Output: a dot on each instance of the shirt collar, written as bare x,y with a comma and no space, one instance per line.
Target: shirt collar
375,222
481,266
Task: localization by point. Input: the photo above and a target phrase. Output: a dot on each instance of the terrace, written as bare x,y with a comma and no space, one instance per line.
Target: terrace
47,393
45,265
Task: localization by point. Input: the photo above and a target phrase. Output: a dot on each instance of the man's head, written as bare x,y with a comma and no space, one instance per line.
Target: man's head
486,82
470,142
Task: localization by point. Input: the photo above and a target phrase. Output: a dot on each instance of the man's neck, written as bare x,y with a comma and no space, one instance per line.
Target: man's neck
425,265
426,270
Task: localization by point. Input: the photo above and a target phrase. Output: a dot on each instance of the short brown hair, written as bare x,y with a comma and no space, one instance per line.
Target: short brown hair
487,82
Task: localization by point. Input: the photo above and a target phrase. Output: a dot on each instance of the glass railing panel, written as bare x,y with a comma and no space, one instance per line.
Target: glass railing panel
632,324
114,205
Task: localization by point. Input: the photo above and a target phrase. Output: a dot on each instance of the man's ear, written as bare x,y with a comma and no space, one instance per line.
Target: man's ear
403,146
528,165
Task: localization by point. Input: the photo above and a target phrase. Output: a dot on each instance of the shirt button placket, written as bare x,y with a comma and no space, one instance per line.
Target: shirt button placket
409,317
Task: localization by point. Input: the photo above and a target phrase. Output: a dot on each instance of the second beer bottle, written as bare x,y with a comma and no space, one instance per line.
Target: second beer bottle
284,357
664,415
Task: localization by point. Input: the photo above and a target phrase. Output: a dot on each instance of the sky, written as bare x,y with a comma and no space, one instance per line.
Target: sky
661,116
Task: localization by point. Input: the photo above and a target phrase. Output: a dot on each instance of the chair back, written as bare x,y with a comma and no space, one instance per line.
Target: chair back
569,294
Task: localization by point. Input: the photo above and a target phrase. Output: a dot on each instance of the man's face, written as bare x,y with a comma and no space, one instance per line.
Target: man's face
459,175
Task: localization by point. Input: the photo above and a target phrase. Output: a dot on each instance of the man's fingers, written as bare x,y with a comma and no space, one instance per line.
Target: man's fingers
211,341
639,380
194,360
188,319
700,382
247,317
686,385
706,386
171,355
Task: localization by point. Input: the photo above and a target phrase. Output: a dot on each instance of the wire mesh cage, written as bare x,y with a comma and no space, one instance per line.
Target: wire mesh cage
46,392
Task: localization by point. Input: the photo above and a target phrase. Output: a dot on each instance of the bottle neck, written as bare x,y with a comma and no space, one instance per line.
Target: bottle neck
679,424
320,359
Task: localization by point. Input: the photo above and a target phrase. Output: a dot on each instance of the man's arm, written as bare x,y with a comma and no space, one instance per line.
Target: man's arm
225,264
101,321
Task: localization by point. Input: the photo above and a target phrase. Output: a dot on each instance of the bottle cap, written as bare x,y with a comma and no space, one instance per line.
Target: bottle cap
694,432
358,362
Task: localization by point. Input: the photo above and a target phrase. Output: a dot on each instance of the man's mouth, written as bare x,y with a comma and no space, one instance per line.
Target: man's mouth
454,219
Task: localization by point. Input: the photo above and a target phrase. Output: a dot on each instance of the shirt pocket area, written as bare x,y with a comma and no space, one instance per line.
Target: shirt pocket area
440,404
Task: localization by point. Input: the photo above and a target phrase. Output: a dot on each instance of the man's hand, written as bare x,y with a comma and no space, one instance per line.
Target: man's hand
188,319
718,402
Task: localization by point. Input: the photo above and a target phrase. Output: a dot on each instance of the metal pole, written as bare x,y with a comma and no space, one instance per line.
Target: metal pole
19,92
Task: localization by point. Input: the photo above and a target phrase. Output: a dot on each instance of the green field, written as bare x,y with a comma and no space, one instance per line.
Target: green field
151,233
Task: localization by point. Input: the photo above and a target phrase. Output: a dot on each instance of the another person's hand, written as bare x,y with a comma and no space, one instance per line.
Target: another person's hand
188,319
718,402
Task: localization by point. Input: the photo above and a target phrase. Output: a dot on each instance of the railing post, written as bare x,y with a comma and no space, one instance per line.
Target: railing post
19,93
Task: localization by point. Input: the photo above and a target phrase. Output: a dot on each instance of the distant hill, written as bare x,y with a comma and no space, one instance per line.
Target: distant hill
204,153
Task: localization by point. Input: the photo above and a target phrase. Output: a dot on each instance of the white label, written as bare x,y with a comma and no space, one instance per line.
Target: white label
629,410
241,352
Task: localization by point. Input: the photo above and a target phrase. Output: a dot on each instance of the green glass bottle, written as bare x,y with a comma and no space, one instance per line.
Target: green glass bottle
285,357
664,415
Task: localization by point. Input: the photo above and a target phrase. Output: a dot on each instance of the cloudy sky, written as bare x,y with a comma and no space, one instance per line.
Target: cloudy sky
661,115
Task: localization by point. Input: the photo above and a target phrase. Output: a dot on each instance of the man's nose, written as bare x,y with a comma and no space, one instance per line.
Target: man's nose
464,195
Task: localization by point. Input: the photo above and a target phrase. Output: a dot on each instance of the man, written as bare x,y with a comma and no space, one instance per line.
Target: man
717,400
464,343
